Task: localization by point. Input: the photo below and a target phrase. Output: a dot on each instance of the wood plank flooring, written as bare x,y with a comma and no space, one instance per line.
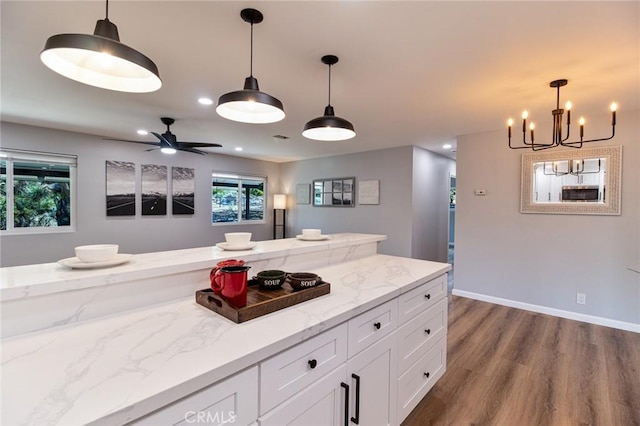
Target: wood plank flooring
509,367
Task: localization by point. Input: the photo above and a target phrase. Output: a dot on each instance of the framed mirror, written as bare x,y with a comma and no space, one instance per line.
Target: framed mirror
334,192
581,181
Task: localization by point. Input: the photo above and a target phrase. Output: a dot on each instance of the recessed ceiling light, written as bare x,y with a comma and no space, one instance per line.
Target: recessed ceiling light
446,146
238,148
205,101
142,132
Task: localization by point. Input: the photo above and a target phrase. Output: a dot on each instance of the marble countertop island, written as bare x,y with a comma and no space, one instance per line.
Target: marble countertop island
113,369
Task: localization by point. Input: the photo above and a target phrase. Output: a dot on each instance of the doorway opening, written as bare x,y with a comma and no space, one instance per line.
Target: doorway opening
452,222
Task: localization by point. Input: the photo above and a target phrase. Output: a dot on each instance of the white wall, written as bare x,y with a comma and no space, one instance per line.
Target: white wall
135,234
543,259
410,211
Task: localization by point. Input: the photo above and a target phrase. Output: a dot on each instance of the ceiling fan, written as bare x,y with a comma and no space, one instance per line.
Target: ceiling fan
169,144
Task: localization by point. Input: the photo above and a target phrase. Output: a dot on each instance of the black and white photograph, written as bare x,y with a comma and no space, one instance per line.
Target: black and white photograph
154,190
183,190
121,188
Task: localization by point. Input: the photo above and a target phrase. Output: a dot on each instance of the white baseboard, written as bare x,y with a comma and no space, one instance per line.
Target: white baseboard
628,326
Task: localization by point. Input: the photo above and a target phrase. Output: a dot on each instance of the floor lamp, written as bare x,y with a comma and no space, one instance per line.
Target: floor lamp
279,203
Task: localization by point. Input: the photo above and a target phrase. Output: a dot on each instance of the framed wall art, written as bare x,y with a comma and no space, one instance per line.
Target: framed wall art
183,188
120,177
369,192
154,190
303,191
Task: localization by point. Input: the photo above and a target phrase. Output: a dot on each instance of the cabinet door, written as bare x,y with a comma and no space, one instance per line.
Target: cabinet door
372,376
320,404
233,400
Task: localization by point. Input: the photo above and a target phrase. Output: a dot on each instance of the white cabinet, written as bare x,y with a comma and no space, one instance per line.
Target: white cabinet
414,384
320,404
419,334
287,373
371,375
371,370
369,327
231,401
422,343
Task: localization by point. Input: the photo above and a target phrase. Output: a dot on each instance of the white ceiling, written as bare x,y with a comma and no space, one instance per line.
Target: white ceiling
410,73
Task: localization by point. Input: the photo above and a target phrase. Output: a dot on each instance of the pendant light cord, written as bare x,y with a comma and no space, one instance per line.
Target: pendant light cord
251,60
107,11
329,85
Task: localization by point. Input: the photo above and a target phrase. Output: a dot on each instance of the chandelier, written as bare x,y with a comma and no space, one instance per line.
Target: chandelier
558,138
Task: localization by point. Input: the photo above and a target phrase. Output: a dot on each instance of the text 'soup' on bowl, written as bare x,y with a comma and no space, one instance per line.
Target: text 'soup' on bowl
270,279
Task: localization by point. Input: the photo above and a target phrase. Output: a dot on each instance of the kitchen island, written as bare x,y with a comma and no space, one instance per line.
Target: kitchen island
121,366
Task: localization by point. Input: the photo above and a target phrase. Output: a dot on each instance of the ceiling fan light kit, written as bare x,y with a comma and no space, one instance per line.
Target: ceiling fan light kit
168,142
250,105
558,138
100,60
329,127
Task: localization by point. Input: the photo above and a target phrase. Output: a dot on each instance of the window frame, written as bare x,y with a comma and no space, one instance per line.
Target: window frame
12,156
240,177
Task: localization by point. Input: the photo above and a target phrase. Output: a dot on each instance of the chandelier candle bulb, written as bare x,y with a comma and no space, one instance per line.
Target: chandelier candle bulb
532,126
614,107
581,121
568,106
509,124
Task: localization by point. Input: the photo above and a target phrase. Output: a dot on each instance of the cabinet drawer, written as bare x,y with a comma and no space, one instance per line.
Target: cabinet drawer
233,400
420,377
288,372
371,326
417,336
421,298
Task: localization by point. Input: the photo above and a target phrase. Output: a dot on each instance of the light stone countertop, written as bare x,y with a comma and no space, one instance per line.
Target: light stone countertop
35,280
113,369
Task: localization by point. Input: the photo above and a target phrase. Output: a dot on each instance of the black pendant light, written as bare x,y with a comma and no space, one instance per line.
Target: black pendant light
100,60
250,105
329,127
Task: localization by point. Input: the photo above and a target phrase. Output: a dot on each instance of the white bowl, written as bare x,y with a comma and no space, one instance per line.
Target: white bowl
97,252
237,238
311,232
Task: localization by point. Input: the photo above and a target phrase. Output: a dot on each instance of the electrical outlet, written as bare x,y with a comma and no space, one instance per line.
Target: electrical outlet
581,298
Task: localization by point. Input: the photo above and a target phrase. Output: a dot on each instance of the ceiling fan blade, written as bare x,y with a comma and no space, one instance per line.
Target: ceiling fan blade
152,149
128,140
193,150
162,139
199,145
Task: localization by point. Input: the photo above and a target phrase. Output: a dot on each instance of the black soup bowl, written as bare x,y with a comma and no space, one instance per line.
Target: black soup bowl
302,280
270,279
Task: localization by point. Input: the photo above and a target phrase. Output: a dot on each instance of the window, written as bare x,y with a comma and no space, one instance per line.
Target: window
237,199
36,192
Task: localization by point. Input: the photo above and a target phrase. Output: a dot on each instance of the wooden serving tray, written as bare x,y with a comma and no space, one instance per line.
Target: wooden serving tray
260,302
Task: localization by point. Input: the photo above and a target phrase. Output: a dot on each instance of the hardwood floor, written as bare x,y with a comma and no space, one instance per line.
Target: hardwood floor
509,367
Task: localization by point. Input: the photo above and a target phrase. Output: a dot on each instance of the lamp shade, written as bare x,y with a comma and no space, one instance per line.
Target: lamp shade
100,60
279,201
250,105
328,127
